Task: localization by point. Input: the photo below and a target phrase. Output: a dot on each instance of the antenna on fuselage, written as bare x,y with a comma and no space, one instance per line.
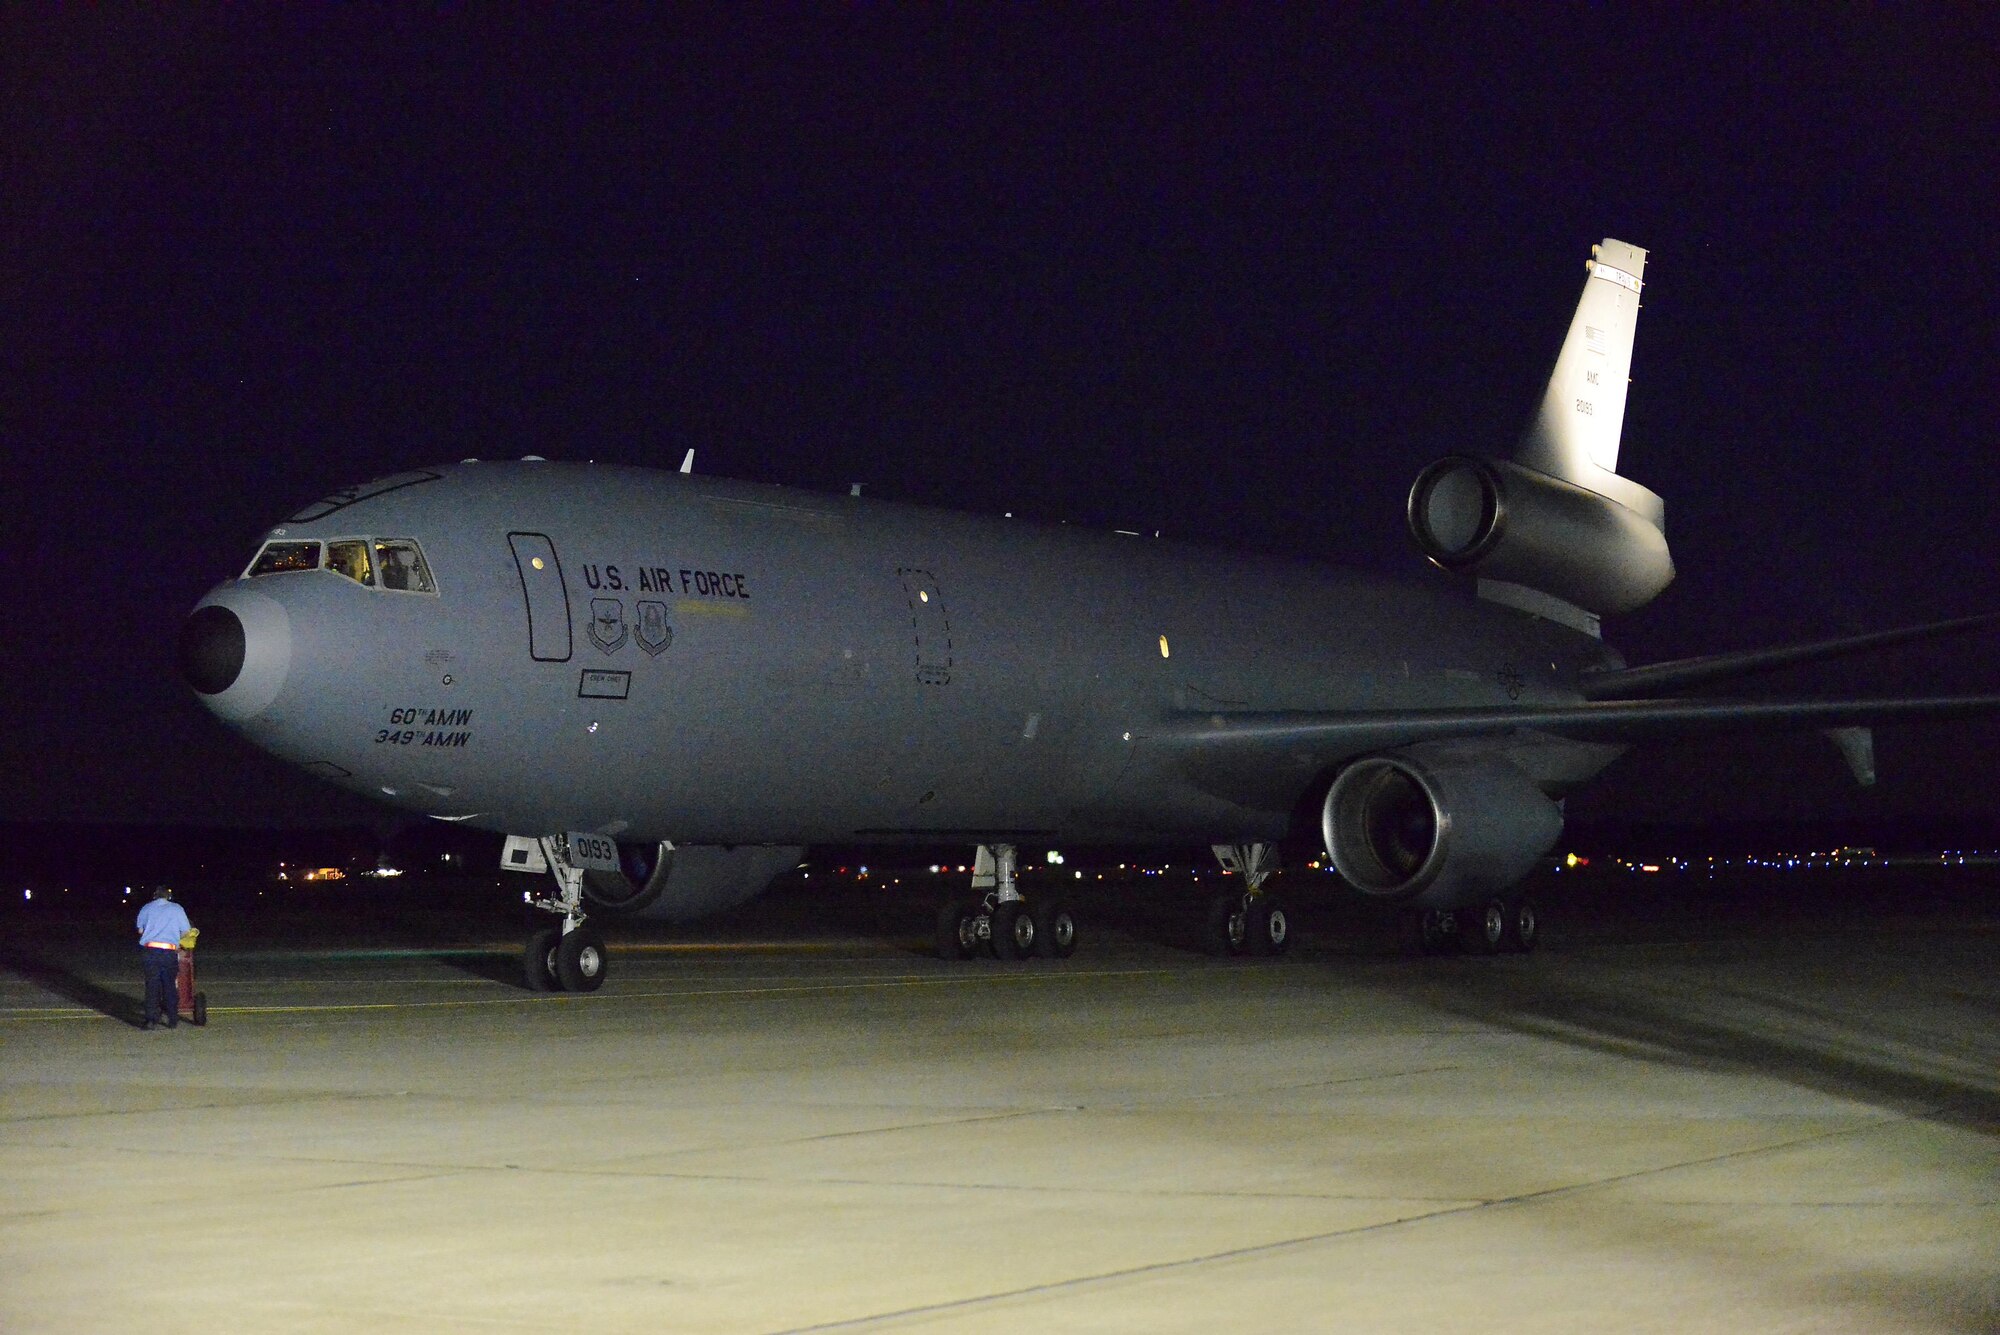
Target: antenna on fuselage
687,464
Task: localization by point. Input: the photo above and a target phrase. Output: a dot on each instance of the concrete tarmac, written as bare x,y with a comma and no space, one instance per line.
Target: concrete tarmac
1764,1129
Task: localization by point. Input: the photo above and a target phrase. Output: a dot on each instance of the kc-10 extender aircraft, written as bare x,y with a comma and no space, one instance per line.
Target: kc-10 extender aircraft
663,686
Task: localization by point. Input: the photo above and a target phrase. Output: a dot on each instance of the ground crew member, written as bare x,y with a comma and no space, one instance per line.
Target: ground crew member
162,924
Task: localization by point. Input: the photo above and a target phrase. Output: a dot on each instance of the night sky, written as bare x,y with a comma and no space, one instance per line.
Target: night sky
1235,277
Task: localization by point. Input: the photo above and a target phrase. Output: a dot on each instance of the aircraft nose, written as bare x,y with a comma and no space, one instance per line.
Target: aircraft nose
211,649
235,651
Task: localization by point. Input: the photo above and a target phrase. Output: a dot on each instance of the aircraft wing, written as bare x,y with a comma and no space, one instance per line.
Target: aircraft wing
1597,721
1257,758
1655,679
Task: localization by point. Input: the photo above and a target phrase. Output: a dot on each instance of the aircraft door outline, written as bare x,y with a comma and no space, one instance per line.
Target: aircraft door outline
546,596
929,625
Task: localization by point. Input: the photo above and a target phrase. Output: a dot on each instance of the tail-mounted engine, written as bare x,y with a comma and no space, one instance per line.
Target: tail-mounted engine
1427,827
1502,521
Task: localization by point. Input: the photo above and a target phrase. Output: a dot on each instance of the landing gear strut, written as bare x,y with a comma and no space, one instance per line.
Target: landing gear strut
569,958
1247,921
996,916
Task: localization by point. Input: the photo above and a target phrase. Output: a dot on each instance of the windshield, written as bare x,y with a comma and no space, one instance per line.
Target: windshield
394,564
400,562
279,557
349,558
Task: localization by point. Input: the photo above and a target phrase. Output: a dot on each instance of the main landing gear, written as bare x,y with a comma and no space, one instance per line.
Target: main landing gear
1502,925
569,958
996,918
1247,921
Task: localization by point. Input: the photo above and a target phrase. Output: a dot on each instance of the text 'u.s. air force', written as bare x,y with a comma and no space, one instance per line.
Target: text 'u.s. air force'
663,579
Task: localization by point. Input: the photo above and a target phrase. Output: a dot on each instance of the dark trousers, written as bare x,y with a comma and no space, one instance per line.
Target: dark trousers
163,984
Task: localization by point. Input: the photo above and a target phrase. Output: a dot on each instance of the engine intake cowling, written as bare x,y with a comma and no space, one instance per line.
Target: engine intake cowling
1499,520
1435,829
680,884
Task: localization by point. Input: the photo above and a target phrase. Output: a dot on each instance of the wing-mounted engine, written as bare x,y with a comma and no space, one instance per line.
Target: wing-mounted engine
682,883
1557,530
1432,828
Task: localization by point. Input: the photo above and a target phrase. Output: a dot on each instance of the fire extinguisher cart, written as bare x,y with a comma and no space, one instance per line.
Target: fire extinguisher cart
193,1004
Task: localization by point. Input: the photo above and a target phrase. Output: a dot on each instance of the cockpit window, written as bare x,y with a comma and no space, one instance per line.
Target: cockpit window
396,564
350,557
400,564
279,557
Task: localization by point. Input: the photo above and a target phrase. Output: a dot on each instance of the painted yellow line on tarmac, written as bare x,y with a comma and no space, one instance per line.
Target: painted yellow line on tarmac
543,998
852,945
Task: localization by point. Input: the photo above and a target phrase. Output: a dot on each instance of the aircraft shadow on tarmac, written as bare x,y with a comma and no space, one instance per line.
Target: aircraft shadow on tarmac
53,977
495,966
1789,1039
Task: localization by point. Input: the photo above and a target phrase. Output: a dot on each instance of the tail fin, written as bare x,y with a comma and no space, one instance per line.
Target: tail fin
1575,431
1556,531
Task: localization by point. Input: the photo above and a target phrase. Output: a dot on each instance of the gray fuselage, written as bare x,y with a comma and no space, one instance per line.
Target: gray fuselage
723,662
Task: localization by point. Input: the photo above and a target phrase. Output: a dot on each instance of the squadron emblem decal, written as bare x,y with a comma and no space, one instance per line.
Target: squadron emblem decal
653,633
607,624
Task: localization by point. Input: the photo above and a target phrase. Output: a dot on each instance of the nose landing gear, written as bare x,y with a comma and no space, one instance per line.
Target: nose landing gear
569,958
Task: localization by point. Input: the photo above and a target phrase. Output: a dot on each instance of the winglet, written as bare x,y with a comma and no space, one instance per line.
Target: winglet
687,464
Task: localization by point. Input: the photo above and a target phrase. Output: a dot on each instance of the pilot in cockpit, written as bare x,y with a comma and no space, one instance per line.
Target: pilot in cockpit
397,563
393,568
350,559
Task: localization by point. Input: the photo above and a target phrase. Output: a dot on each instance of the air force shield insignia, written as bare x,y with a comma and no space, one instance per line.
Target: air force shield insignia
607,624
653,633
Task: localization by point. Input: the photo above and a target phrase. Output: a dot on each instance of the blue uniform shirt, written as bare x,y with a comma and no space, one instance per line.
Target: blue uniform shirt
162,920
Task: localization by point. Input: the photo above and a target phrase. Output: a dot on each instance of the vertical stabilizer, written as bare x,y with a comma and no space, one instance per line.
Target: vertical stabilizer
1556,531
1574,432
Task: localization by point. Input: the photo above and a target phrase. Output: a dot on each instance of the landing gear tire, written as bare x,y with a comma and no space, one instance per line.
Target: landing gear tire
1225,930
1433,931
538,961
1055,930
1522,925
580,961
1013,930
201,1008
957,930
1267,929
1483,930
